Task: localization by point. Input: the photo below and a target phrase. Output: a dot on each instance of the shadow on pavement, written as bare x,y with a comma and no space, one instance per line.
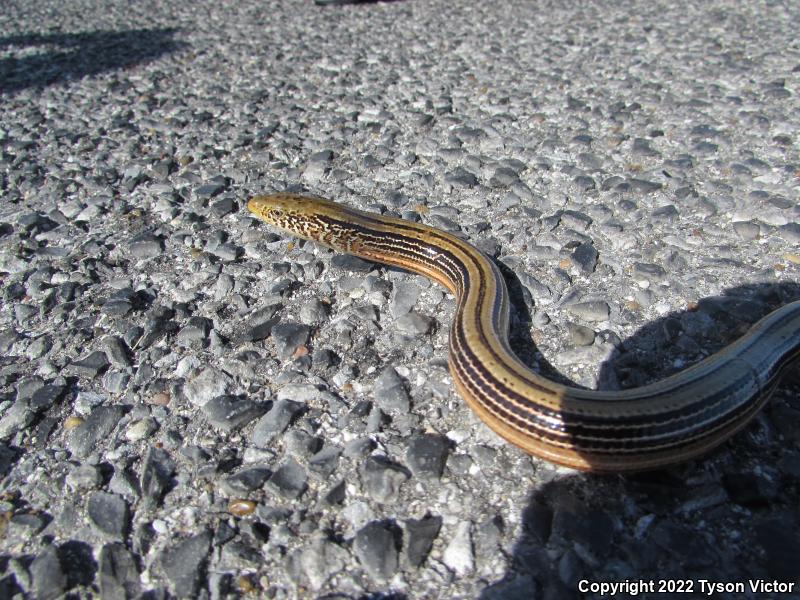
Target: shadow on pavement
36,60
718,519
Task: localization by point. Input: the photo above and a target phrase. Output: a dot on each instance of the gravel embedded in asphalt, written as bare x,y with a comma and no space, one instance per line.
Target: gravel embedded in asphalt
633,168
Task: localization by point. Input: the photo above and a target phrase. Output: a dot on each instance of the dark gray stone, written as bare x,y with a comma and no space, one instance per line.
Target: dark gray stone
156,476
290,480
118,576
246,480
420,535
184,564
97,426
382,479
580,335
585,256
275,421
289,337
146,246
90,366
427,455
109,514
593,310
375,548
47,576
348,262
231,412
390,392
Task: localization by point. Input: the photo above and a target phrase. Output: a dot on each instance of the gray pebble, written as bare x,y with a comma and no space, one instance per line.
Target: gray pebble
348,262
390,392
382,479
97,426
259,324
374,545
195,333
593,310
747,230
48,577
585,256
231,412
580,335
648,272
84,477
314,312
289,337
324,462
146,246
275,422
789,232
321,560
207,384
246,480
117,352
90,366
109,514
290,480
420,535
404,297
156,476
16,418
118,575
427,455
184,564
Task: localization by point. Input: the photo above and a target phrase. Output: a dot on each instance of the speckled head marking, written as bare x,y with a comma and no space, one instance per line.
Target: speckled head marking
311,218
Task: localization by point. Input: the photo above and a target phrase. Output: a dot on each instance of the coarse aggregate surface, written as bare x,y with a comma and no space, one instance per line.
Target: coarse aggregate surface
194,406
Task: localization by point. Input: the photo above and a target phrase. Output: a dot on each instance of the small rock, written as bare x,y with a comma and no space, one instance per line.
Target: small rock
48,578
314,312
404,297
593,311
246,480
413,323
146,246
427,455
141,429
97,426
324,462
288,337
382,479
375,548
118,576
322,559
90,366
109,514
156,476
580,335
390,393
184,564
259,324
84,477
231,412
207,384
420,534
290,480
275,421
585,256
458,556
